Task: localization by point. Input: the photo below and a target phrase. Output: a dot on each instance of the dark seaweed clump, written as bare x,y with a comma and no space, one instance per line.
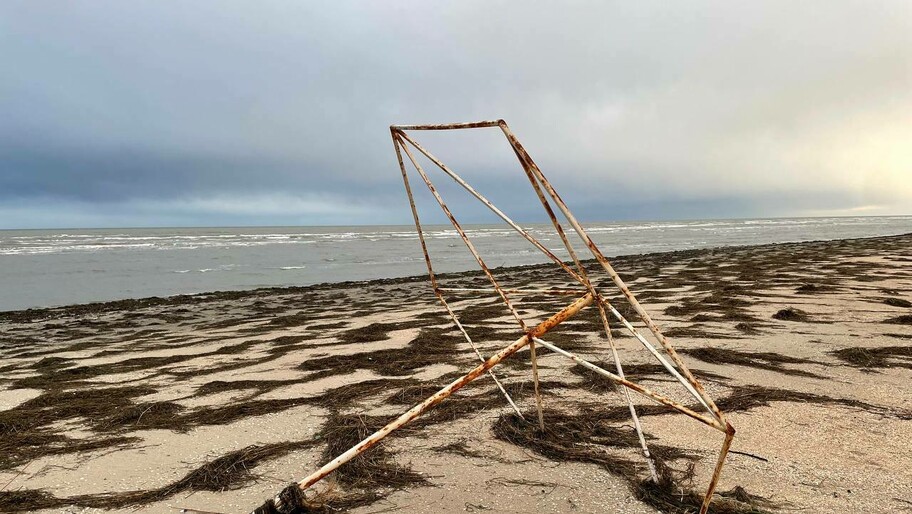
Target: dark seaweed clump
813,289
667,495
23,429
230,471
791,314
375,332
748,329
431,346
726,304
874,358
585,438
745,398
592,380
905,319
762,360
371,470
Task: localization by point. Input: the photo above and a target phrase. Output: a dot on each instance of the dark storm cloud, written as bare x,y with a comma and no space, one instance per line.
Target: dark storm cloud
224,112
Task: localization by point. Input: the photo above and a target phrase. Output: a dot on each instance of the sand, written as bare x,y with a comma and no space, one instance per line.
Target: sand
217,401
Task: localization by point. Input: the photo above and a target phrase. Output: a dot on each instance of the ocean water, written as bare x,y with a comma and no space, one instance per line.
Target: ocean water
40,268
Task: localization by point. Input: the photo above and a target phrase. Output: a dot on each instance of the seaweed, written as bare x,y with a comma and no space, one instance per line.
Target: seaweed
593,381
876,358
744,398
27,500
373,469
582,438
350,394
791,314
18,448
461,448
431,346
666,495
905,319
224,414
261,386
568,438
290,320
24,431
328,326
748,329
762,360
696,332
482,313
724,302
375,331
814,288
230,471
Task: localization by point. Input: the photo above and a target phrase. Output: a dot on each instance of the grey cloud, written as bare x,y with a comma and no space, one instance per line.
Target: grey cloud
634,109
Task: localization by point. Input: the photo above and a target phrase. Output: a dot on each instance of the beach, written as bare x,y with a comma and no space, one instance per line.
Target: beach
217,401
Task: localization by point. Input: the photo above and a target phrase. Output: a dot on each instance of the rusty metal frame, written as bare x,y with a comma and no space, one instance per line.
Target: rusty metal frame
589,295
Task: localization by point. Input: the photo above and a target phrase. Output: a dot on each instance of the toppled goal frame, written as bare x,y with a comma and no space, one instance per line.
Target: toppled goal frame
532,336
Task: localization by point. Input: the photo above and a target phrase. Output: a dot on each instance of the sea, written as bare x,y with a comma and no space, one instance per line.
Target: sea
42,268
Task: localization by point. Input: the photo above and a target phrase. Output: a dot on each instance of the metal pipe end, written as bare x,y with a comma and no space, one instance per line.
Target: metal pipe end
290,500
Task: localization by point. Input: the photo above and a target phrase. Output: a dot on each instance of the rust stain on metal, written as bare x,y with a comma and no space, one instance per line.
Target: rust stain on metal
717,472
442,394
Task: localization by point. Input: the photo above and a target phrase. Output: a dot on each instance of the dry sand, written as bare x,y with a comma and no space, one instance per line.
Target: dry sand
217,401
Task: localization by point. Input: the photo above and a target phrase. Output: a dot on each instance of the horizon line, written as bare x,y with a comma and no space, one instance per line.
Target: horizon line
151,227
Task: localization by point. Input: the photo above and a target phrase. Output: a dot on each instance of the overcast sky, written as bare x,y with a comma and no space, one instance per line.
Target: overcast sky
276,113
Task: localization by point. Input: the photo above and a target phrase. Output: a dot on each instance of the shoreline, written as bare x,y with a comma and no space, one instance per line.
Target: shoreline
191,298
214,402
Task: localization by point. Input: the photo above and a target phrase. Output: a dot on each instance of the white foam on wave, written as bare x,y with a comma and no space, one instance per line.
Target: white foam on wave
88,243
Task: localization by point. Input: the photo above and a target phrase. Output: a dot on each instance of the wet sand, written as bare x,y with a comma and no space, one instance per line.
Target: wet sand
217,401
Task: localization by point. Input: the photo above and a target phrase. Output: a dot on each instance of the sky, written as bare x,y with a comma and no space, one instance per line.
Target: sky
223,113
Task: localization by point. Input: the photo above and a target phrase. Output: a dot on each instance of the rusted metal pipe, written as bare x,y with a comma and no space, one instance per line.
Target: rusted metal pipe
717,472
538,403
579,276
539,330
478,259
572,292
535,176
487,203
636,387
610,270
433,277
411,198
478,353
464,236
652,349
583,277
449,126
626,392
